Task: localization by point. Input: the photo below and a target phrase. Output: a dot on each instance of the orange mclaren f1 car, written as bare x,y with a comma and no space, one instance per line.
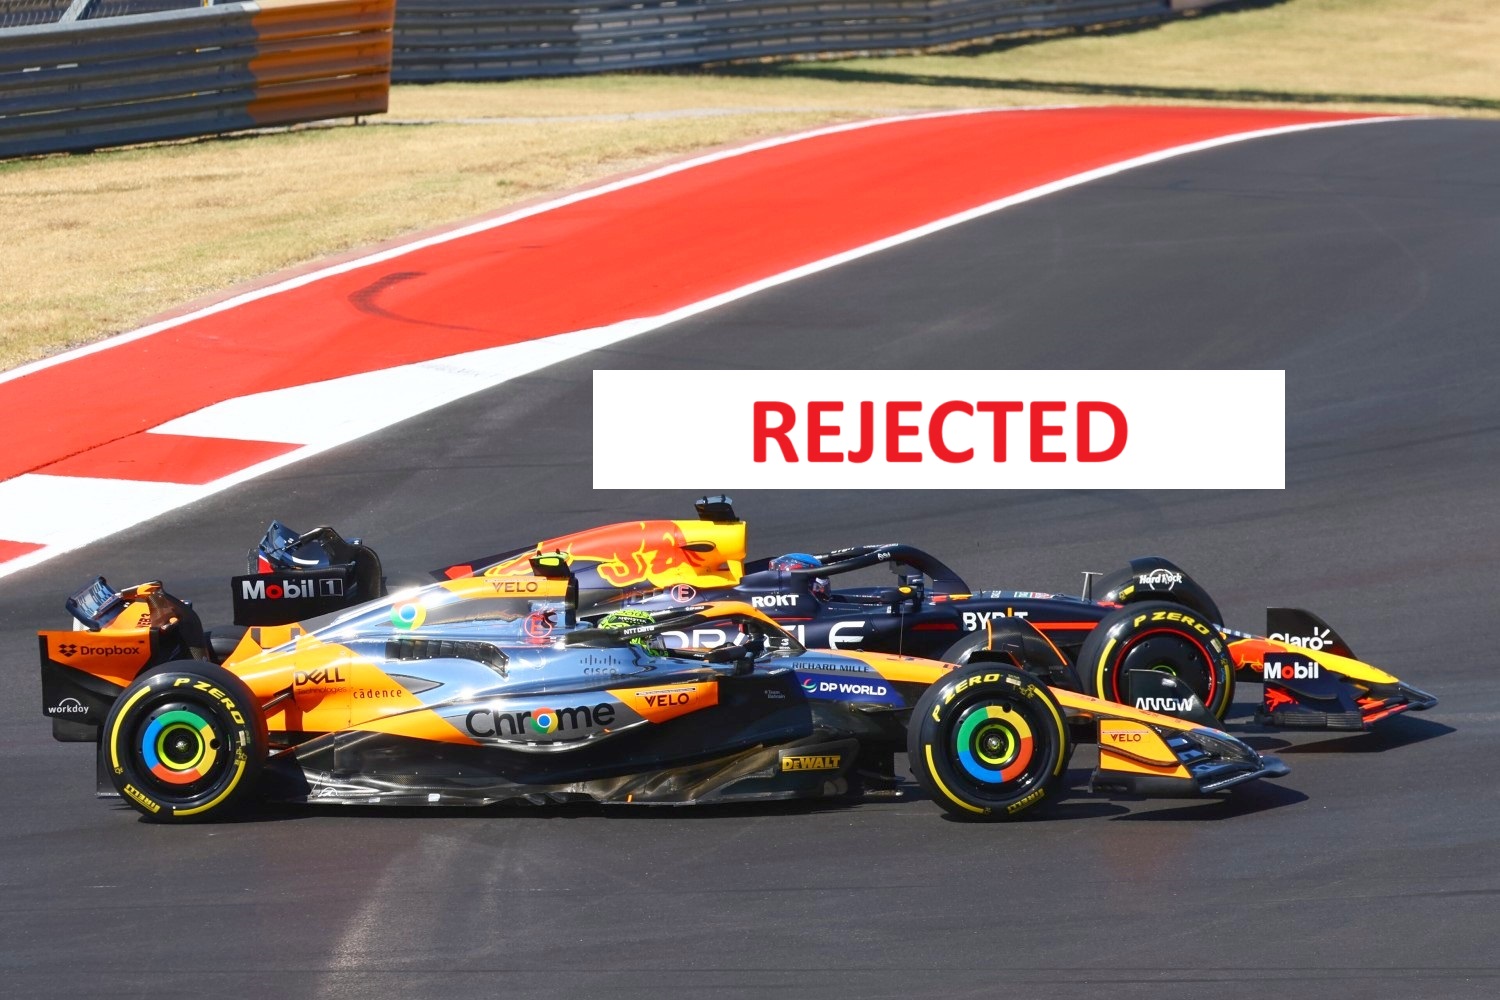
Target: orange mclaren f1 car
491,690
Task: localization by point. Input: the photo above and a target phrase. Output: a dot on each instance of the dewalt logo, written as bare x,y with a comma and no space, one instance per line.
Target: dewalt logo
825,762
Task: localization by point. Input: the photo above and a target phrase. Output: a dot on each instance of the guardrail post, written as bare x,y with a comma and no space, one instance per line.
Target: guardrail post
75,10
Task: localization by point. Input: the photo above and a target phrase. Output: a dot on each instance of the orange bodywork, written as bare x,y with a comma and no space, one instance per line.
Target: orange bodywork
115,656
1135,748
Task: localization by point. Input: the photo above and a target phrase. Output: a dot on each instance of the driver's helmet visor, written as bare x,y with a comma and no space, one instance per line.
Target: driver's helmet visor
803,560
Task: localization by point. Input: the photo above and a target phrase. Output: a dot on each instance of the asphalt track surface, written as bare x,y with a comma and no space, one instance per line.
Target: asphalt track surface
1362,260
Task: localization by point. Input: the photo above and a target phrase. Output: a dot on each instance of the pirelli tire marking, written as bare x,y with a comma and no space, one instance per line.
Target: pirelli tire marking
1138,621
180,734
990,743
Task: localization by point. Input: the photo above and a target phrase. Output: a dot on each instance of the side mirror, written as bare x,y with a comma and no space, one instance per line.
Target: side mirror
740,658
910,590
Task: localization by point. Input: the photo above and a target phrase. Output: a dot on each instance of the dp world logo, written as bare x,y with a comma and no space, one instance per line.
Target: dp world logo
809,685
67,649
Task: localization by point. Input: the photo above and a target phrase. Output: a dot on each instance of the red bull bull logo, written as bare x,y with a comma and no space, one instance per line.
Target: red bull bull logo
662,553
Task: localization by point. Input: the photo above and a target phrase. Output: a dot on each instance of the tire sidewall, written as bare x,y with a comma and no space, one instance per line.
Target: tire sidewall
935,722
1100,658
218,698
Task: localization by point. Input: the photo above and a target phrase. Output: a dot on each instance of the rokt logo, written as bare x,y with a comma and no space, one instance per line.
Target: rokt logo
774,601
1294,671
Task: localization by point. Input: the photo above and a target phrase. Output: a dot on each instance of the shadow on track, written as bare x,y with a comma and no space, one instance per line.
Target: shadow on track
1253,797
1392,734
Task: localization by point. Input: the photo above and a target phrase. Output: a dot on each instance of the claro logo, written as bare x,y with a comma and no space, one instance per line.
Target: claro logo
1320,638
494,723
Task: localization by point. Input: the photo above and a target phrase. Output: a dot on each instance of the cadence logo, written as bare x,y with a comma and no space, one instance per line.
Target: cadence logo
964,429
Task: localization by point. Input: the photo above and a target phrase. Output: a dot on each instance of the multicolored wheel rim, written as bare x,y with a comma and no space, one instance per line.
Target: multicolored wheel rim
993,744
179,746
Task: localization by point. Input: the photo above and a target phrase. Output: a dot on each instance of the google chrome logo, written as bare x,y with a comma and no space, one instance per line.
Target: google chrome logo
408,616
543,720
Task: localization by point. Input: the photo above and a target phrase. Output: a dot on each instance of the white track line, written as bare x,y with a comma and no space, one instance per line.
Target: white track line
445,380
483,225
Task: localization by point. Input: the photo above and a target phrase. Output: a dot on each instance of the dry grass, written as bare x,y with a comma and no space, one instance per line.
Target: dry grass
1392,54
100,242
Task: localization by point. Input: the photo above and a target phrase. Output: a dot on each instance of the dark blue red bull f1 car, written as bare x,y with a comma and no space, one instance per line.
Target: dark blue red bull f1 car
1145,635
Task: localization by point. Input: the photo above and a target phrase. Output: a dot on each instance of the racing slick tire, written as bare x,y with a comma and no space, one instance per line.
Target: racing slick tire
1134,584
1157,635
185,743
988,742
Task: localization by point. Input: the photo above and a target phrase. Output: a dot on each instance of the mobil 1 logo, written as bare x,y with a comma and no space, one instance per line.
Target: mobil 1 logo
282,598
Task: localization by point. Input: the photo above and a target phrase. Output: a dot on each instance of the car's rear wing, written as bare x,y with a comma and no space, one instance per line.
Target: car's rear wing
118,634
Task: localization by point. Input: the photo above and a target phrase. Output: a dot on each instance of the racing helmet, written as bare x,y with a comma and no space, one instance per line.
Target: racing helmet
803,560
633,618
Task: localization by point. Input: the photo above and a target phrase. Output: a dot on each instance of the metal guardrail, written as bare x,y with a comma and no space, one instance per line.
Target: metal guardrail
75,80
86,84
496,39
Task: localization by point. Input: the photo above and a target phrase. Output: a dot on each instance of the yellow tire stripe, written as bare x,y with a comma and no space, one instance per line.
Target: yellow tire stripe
1099,674
932,772
114,733
239,772
1062,739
